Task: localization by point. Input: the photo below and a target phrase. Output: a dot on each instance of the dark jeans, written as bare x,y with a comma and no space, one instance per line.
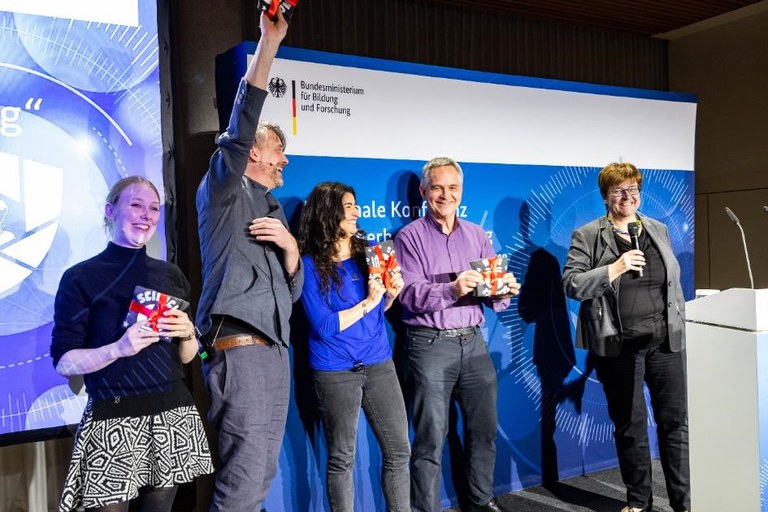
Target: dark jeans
340,394
249,389
622,378
438,367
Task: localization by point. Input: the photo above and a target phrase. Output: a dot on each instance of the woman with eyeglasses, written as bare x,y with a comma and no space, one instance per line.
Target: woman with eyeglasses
632,320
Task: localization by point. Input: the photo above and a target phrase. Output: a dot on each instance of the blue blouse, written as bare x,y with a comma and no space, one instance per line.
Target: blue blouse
330,348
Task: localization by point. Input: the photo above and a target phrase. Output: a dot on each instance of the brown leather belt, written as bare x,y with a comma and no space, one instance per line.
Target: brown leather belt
240,340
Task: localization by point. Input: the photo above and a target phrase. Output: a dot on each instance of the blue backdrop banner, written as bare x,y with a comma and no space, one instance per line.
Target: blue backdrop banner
531,150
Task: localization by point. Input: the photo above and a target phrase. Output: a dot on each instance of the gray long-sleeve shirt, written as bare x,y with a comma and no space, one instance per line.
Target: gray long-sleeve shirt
242,278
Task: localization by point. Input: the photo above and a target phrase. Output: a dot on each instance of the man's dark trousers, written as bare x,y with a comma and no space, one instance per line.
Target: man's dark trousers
438,367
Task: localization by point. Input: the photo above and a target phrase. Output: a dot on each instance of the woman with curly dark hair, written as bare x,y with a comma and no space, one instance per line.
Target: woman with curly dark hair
349,350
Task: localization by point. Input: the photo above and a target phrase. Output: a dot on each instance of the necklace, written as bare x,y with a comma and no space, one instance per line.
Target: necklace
619,231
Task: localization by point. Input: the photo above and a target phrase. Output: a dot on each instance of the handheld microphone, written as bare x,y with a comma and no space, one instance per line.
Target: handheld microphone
634,232
735,220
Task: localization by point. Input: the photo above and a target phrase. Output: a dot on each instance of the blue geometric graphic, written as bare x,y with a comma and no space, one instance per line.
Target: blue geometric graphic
80,109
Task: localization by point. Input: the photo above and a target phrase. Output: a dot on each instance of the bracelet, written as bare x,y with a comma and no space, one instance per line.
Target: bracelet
365,307
195,333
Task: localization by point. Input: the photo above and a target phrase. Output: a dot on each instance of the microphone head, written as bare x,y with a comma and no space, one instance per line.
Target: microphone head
633,228
732,215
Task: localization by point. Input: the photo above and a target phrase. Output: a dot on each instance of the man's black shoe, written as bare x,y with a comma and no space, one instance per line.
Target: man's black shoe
491,506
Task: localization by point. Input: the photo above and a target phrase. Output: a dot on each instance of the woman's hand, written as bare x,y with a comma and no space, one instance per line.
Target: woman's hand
81,361
273,29
630,260
135,339
376,291
396,278
175,323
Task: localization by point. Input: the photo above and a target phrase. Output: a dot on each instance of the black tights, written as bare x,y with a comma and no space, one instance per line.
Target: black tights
153,499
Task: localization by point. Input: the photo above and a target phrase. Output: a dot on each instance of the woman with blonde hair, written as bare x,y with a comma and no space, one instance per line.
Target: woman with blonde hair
140,435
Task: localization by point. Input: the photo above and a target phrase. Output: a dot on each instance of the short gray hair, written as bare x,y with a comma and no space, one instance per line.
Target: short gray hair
441,161
264,128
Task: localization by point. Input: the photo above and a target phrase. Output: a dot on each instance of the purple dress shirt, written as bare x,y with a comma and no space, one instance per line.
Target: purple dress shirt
430,260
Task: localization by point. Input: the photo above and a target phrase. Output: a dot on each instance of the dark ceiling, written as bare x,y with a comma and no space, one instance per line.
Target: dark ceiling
645,17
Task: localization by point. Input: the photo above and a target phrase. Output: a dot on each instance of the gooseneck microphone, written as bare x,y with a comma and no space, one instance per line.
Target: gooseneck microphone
735,220
633,228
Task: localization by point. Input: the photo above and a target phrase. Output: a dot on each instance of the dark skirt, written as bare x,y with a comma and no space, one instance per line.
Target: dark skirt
113,458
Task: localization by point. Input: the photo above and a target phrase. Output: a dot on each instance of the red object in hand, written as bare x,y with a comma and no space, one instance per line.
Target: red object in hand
387,263
151,305
491,276
493,270
152,314
270,7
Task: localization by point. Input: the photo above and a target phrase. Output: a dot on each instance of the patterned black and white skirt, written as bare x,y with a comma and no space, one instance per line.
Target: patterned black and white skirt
113,458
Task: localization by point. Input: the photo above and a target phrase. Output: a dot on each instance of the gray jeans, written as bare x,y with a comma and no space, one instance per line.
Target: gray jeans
250,389
340,394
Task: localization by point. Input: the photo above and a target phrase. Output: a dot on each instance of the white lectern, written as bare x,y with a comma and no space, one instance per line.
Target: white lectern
727,345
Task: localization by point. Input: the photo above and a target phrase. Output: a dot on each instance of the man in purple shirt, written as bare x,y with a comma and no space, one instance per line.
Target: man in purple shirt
446,352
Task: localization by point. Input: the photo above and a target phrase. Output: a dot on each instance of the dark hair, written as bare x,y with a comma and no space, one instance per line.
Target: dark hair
320,230
114,193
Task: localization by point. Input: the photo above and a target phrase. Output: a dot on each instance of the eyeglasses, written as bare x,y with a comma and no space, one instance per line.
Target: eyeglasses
619,192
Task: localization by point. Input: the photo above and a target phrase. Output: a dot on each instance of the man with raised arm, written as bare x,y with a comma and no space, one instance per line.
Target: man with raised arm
251,278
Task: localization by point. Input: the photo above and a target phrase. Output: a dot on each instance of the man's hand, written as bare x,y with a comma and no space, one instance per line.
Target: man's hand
272,34
509,280
268,229
466,282
274,30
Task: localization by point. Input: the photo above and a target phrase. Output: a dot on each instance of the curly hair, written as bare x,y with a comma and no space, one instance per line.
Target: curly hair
320,230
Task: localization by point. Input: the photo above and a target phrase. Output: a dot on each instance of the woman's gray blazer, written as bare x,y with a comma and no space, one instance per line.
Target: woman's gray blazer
585,279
